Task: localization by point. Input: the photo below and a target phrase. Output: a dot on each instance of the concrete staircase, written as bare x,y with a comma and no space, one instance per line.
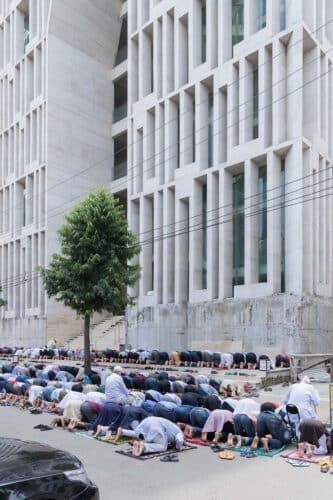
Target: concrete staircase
109,333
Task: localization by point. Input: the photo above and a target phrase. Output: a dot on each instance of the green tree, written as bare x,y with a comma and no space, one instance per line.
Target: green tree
93,271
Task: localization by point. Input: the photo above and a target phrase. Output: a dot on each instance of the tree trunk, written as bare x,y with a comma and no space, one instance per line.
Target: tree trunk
87,364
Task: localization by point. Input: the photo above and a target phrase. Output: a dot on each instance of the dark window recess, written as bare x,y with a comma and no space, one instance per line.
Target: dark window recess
238,226
120,99
262,224
121,54
120,156
237,21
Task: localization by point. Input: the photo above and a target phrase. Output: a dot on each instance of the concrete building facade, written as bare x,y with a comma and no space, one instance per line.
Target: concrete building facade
230,110
56,102
211,120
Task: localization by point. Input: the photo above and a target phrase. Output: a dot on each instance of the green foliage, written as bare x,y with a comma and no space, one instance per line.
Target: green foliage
93,271
2,302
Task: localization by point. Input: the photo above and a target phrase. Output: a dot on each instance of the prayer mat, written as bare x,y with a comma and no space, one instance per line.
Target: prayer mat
260,451
149,456
83,434
122,440
197,441
293,455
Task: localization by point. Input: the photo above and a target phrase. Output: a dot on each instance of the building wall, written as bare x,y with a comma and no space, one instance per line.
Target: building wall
55,142
205,114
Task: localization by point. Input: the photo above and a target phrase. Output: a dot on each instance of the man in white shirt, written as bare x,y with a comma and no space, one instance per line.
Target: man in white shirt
305,397
115,388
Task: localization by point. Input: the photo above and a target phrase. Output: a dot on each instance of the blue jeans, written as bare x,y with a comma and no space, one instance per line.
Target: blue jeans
182,414
198,417
271,423
244,427
164,412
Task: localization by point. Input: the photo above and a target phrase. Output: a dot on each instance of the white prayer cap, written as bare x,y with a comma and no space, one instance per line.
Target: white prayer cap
306,380
117,369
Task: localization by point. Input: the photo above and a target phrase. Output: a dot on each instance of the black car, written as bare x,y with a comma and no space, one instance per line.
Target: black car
35,471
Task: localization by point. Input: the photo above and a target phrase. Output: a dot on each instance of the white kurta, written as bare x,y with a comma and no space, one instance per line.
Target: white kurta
157,433
305,397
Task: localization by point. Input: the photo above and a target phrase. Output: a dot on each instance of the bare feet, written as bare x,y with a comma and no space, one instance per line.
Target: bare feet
138,448
230,441
181,426
265,443
255,443
188,432
309,450
108,437
300,450
217,437
119,434
239,442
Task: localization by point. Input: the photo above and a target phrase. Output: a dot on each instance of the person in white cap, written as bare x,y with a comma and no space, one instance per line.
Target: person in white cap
305,397
115,388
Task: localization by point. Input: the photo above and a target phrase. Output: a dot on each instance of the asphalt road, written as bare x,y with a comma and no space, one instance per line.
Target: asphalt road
200,474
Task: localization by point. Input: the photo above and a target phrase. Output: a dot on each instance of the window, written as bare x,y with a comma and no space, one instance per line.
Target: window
261,14
238,229
210,129
120,156
255,124
203,32
282,15
283,225
26,30
193,129
262,224
204,237
237,21
121,54
120,99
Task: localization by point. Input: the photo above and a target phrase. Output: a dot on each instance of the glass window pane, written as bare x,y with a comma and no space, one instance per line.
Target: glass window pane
255,124
204,236
261,14
238,247
262,224
237,21
282,15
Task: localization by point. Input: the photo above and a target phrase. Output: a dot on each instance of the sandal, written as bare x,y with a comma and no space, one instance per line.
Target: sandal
216,447
324,468
170,458
227,455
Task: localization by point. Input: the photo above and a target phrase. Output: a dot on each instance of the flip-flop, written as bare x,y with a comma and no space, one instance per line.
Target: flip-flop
324,468
227,455
216,447
169,458
39,426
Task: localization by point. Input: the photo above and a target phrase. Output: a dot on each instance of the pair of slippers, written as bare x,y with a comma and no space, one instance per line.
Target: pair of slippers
35,411
325,468
248,454
170,458
43,427
227,455
216,448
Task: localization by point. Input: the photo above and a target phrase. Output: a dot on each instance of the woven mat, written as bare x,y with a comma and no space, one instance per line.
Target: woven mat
149,456
197,441
316,459
122,440
260,452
